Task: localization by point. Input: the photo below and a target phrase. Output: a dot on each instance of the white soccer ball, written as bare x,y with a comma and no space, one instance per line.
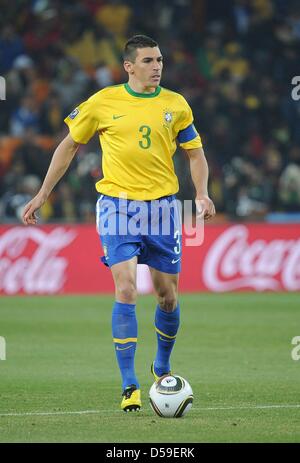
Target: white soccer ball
171,396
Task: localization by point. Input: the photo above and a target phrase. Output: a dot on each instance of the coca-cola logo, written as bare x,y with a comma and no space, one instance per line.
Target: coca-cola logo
39,270
233,262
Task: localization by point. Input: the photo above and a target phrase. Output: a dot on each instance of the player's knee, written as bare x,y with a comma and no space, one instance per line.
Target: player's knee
168,302
126,292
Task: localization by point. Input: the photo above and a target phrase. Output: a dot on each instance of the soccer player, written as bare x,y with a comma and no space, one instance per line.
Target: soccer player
138,124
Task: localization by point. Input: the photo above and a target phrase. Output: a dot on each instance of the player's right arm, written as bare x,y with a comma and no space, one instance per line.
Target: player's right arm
60,162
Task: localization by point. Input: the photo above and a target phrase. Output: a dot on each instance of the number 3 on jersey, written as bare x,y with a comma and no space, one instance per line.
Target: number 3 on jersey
146,141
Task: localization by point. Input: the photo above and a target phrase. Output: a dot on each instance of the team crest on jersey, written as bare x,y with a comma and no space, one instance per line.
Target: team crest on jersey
74,113
168,116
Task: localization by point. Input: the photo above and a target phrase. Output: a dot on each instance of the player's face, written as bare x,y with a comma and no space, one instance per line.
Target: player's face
147,67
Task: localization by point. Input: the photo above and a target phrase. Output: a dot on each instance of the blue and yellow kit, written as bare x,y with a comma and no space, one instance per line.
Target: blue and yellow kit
138,133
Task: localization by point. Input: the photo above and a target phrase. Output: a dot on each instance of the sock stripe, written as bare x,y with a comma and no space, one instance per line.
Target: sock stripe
124,341
166,340
164,334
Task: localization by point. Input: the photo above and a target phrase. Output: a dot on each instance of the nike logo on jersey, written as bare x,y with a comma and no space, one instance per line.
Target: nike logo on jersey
123,348
174,261
118,117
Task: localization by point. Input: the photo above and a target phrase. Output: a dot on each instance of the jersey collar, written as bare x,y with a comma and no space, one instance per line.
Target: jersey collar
142,95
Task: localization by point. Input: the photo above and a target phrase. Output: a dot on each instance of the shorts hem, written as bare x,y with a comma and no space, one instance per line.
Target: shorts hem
122,259
164,268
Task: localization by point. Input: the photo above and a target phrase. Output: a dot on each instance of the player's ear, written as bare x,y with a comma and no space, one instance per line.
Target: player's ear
128,67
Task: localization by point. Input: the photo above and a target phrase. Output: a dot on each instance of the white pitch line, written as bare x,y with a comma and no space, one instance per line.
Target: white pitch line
251,407
86,412
81,412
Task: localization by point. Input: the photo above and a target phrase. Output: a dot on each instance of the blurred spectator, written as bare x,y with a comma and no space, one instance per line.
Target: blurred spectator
64,206
70,84
51,115
103,76
32,155
15,199
289,184
25,117
11,46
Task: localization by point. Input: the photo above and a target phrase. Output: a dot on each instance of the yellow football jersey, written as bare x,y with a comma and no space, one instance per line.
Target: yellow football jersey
138,133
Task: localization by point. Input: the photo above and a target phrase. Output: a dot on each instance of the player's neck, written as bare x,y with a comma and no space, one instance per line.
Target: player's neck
138,87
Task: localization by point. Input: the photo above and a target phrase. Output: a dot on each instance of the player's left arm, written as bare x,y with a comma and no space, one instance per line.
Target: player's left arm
199,174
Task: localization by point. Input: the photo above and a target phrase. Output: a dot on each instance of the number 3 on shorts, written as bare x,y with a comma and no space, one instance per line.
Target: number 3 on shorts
177,248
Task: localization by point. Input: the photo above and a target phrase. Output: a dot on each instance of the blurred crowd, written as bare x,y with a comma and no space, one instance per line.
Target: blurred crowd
233,60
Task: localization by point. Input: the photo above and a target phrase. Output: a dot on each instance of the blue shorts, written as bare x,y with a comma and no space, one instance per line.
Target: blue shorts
150,230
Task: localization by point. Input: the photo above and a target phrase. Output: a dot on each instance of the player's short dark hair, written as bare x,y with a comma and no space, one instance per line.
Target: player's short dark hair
135,42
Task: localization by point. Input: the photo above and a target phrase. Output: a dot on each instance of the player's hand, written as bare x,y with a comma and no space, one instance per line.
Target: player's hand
28,215
205,207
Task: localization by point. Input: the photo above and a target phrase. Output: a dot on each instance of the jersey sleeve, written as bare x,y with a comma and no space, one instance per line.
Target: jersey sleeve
187,135
82,122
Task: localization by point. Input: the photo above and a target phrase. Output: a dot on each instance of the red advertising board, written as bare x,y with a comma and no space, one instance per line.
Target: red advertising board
252,257
65,259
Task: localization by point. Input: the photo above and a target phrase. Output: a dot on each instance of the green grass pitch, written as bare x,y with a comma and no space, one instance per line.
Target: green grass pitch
60,382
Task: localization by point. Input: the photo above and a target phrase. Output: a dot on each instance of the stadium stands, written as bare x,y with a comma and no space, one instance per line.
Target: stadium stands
233,63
